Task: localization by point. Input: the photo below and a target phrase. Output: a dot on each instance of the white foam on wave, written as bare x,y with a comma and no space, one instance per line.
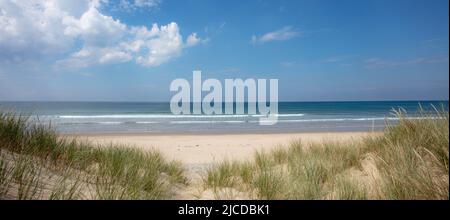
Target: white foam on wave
354,119
105,122
147,122
110,122
289,115
205,122
124,116
244,120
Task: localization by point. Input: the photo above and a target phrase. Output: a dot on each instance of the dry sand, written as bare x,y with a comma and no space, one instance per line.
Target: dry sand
209,148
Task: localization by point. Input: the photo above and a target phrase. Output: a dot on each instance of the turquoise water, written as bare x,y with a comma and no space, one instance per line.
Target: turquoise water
153,117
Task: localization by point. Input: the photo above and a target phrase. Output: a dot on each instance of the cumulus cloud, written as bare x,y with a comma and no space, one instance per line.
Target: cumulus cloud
282,34
30,27
94,28
89,56
57,27
161,43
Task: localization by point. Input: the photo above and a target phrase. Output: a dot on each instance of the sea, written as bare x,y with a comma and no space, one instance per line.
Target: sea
156,117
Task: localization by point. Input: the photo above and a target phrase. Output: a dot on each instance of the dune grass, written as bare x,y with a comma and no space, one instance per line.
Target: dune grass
37,164
408,161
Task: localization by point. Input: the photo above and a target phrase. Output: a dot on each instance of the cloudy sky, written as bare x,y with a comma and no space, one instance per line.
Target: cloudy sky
130,50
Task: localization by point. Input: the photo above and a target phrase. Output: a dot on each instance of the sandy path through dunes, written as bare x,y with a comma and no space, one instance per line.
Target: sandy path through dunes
204,149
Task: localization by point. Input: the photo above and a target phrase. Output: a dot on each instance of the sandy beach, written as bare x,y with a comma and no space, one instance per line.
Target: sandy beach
208,148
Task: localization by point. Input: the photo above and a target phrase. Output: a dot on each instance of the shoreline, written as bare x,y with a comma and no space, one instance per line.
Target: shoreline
221,133
203,149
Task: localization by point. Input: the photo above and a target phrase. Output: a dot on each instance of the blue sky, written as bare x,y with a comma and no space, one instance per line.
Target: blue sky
97,50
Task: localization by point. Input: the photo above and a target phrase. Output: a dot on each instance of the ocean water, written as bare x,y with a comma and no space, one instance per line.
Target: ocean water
155,117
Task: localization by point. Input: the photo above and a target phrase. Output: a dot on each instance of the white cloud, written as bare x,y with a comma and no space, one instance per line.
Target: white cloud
114,56
161,45
57,27
137,4
146,3
95,28
89,56
282,34
30,27
193,40
287,63
377,63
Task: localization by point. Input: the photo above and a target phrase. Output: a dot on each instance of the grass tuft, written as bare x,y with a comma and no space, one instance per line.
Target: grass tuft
411,162
35,163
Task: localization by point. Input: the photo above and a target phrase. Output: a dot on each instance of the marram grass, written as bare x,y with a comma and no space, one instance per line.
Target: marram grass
37,164
408,161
